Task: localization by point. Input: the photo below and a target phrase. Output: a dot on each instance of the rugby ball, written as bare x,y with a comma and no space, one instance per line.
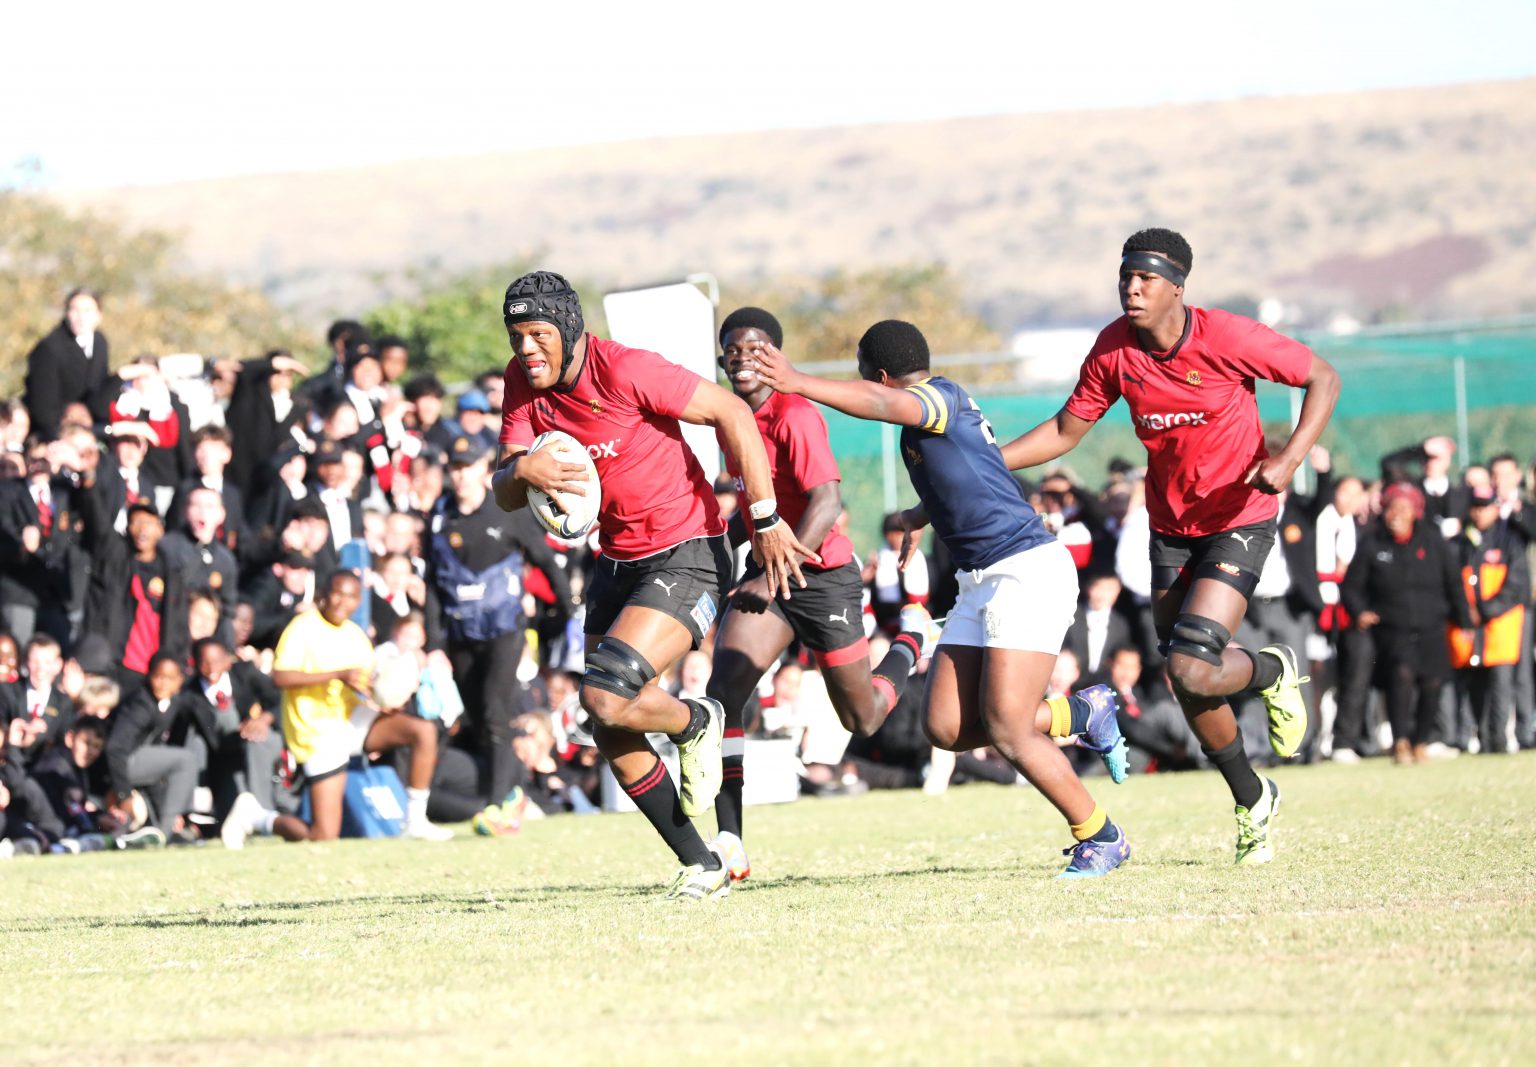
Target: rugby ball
395,680
576,514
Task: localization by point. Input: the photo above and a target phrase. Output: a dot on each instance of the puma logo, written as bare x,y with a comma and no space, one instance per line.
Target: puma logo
843,618
1137,382
665,588
1245,540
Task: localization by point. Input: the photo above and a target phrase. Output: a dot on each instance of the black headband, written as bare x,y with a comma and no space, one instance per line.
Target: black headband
1151,261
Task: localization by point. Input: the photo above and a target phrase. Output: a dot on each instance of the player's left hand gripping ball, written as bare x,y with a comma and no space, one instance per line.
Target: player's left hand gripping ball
562,511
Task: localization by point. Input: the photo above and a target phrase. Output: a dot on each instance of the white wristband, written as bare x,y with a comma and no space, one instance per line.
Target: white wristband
761,509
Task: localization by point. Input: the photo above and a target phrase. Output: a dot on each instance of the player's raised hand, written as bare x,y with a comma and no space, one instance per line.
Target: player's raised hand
780,553
774,369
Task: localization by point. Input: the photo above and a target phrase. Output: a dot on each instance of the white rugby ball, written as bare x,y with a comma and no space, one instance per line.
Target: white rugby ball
395,680
576,514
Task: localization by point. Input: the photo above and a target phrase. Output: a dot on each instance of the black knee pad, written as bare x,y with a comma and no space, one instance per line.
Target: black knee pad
617,668
1195,635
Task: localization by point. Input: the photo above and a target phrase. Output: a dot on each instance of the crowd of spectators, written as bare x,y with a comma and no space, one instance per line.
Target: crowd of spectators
162,524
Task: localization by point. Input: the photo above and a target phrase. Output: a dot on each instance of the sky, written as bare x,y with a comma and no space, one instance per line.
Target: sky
95,94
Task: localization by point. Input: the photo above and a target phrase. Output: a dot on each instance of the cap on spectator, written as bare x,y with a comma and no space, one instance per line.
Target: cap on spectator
1482,496
94,655
1404,491
424,385
359,350
142,430
328,452
474,400
294,558
467,450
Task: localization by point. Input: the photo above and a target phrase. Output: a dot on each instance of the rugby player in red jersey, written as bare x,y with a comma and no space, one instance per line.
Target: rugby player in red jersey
1187,374
665,568
825,616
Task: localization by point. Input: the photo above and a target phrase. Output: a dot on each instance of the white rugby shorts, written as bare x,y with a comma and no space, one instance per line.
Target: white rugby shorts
1025,602
339,740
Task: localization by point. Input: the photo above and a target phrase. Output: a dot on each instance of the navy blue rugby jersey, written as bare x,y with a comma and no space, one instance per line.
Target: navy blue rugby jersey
974,503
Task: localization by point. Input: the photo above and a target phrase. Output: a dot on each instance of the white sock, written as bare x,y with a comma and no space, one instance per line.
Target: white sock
416,805
264,823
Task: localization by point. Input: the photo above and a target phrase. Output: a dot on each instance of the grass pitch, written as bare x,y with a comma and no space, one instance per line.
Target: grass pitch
1397,925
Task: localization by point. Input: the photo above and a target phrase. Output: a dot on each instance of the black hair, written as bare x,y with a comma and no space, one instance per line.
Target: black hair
424,385
142,506
89,724
213,432
338,574
203,592
487,376
347,330
1503,457
752,319
390,340
1164,242
893,523
81,290
165,657
206,642
896,347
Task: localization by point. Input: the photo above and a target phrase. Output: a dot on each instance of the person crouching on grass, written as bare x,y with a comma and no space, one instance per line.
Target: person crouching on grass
323,665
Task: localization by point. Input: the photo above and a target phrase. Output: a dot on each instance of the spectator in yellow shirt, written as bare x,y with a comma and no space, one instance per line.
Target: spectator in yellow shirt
324,666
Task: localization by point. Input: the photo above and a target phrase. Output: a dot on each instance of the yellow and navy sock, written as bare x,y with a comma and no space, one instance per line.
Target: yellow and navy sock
1096,827
1069,715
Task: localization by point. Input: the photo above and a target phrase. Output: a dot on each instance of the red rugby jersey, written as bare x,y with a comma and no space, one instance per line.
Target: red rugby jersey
624,407
799,458
1196,414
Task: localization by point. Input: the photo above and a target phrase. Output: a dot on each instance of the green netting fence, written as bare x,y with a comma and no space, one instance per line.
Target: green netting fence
1474,382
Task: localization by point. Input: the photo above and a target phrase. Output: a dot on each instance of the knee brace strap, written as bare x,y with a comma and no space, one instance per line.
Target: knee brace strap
617,668
1195,635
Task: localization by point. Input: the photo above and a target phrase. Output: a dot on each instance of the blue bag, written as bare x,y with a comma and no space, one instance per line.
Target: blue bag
375,802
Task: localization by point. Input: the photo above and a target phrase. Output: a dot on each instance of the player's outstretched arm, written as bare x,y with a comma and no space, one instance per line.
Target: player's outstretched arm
774,544
1321,392
517,469
862,400
1054,437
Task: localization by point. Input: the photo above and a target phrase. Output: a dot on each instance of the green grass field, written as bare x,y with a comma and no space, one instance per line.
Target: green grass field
1397,925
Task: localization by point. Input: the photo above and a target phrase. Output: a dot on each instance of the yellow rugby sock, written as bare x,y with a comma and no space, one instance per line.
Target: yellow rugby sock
1082,831
1061,716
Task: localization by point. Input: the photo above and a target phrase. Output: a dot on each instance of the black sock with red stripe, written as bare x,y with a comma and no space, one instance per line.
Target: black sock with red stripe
890,677
656,797
728,803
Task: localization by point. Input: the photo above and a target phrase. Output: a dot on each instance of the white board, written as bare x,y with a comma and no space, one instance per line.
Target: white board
678,321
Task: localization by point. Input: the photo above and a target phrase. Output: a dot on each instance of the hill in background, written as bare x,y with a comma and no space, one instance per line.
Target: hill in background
1407,204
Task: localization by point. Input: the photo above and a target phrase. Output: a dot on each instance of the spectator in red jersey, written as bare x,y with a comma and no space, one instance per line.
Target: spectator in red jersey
665,567
1187,374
